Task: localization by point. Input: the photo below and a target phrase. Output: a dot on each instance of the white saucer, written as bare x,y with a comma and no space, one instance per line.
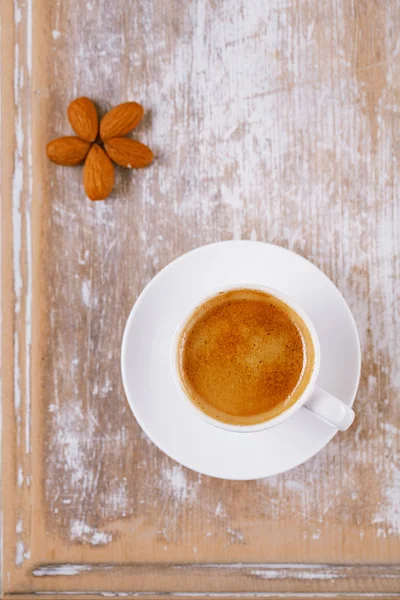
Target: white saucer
169,421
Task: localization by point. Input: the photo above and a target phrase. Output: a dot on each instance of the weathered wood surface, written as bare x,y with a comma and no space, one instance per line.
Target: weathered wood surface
276,121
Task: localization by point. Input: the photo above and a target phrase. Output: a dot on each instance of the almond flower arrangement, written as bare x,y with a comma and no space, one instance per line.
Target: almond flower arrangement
97,146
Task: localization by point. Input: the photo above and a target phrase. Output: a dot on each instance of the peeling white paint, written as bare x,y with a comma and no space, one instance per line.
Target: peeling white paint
20,477
18,528
57,570
220,510
236,536
86,292
83,533
176,483
293,573
19,553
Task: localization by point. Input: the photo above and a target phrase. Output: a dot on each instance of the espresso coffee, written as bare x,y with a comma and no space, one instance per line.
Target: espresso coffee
244,357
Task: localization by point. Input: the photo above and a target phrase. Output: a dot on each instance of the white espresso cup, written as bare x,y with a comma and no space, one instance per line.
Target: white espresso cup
323,405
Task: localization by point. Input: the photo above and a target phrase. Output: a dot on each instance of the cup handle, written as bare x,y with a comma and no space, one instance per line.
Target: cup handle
330,409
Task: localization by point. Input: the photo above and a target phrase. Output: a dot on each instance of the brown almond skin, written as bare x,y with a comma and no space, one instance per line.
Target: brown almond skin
128,153
82,115
98,174
121,120
67,151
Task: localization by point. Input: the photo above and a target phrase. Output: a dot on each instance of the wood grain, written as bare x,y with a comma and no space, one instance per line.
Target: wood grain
272,121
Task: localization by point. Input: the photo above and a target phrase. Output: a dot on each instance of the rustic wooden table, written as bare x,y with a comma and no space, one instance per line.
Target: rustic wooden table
276,121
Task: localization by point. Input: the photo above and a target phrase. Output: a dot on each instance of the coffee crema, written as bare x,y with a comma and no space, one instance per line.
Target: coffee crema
244,357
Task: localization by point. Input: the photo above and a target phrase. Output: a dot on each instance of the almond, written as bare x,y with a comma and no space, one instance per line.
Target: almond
67,151
82,115
128,153
121,120
98,174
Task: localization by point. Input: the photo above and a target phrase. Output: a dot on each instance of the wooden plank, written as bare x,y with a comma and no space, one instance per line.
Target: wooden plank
17,281
269,121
